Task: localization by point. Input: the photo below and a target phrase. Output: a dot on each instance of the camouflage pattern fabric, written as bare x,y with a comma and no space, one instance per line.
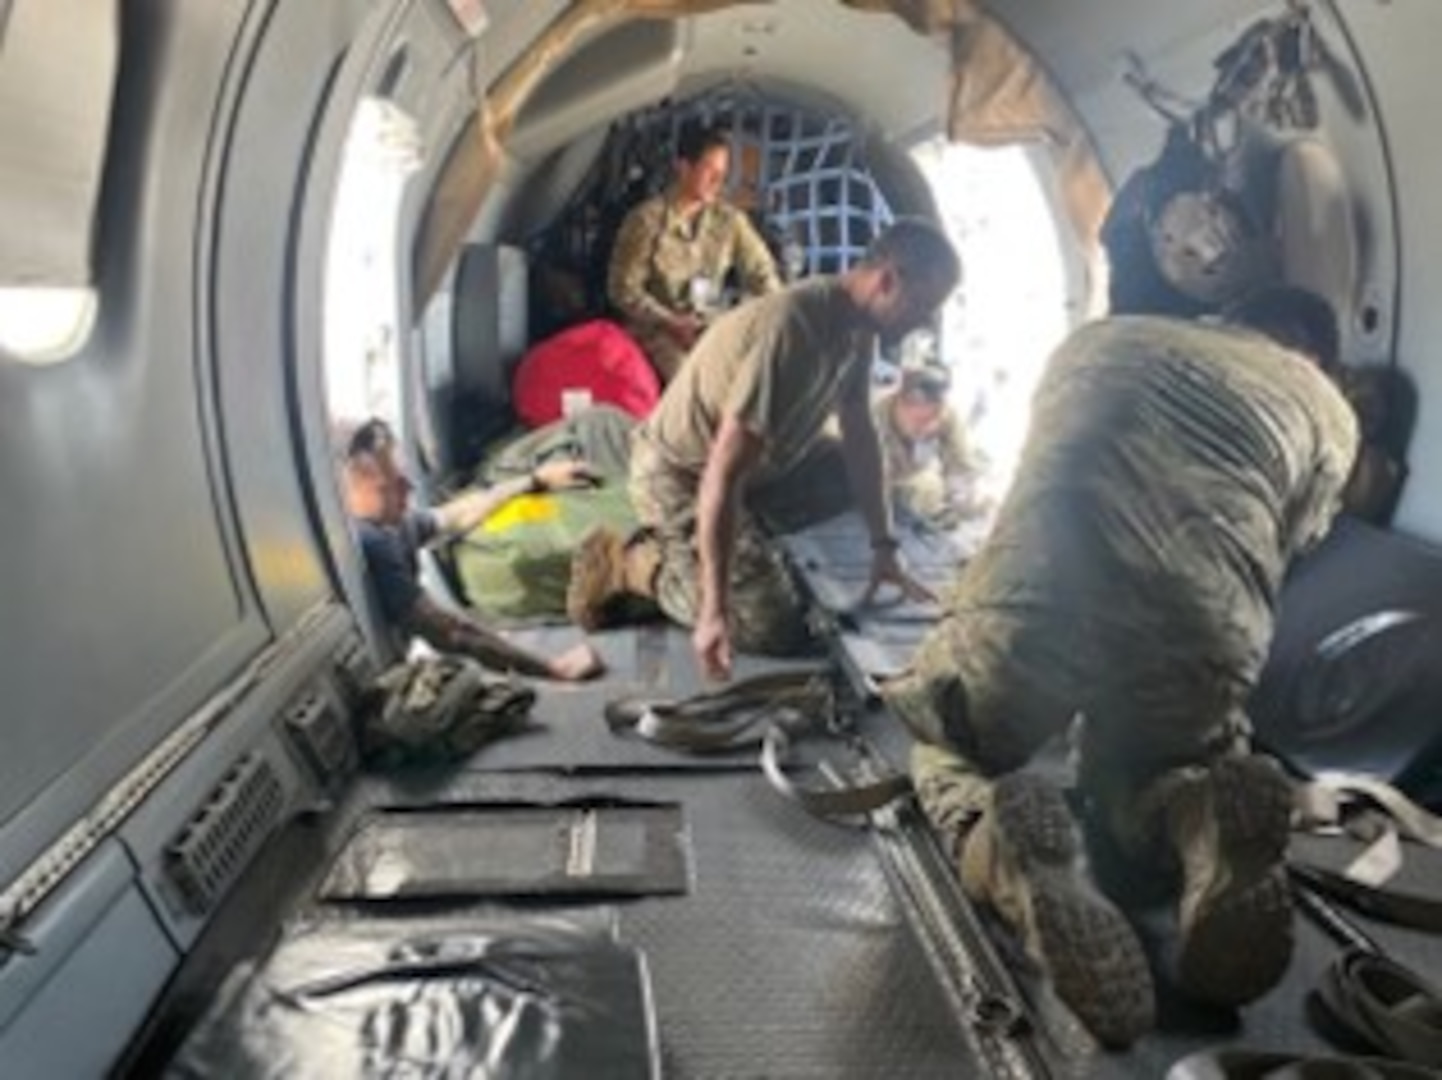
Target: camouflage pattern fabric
952,791
779,365
930,480
767,610
439,710
1172,472
657,257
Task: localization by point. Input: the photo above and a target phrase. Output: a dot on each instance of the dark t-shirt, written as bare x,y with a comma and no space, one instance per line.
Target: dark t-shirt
391,557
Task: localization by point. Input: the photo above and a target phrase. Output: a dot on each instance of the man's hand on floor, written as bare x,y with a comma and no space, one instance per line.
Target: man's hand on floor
886,569
578,664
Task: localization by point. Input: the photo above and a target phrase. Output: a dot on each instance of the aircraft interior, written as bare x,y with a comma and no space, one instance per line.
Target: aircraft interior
233,227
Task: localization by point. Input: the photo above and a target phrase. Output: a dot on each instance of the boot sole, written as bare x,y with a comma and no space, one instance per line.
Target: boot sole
1239,944
1089,950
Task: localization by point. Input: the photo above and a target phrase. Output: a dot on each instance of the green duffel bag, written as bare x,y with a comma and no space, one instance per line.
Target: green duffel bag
516,564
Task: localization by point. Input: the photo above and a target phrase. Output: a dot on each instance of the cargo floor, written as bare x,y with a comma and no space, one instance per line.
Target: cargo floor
791,955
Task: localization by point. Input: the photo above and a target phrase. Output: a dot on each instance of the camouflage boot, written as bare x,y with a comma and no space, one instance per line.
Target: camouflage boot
1024,857
1229,824
613,580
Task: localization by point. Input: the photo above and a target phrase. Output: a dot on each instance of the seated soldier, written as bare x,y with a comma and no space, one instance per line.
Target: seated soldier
931,471
377,496
1172,472
673,253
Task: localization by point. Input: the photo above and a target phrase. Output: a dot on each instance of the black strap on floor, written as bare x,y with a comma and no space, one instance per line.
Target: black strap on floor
731,718
1407,895
1368,997
1386,1006
772,710
840,799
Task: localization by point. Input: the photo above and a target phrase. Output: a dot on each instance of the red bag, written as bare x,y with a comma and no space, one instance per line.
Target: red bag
597,356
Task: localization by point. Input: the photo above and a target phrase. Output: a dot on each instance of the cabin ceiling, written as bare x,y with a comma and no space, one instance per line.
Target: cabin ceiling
874,65
895,80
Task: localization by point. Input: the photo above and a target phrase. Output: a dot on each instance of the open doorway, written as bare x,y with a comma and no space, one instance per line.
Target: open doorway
998,330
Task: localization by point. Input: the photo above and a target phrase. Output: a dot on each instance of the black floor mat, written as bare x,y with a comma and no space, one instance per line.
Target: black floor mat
585,849
507,1000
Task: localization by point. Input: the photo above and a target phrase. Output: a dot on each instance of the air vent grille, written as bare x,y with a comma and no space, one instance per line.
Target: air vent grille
225,832
322,737
355,669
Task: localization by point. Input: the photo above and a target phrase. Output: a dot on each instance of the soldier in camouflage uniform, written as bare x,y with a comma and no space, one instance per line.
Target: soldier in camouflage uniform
1172,472
930,468
673,252
745,413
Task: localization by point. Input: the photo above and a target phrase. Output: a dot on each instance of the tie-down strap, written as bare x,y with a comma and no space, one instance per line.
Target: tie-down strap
731,718
1390,878
1391,1009
773,711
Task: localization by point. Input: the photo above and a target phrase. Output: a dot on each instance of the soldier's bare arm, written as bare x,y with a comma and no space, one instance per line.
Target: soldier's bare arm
861,450
465,512
454,632
734,454
862,454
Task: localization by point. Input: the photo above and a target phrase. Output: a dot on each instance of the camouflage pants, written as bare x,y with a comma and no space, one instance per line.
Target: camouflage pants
952,791
767,609
661,348
1117,756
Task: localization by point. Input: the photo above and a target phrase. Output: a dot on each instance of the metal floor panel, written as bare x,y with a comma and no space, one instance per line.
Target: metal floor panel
832,560
789,958
569,732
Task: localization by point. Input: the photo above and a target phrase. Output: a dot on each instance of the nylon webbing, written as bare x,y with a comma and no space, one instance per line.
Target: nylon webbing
1323,801
837,800
772,711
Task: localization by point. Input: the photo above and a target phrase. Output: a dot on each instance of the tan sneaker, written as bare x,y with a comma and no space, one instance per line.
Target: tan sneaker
1229,823
598,579
1025,858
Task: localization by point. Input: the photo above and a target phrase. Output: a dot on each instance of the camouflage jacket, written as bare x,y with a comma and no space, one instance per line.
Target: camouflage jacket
657,256
933,470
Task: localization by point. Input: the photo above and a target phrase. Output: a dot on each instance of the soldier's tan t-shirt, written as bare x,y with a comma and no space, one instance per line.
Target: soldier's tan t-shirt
779,364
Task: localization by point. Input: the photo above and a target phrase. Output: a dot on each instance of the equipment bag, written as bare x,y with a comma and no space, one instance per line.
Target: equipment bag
516,564
439,710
